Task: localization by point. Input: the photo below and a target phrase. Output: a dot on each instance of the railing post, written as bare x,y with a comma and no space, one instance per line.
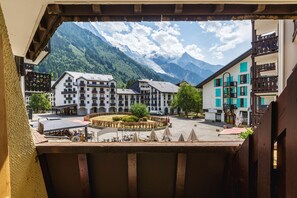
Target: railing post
291,136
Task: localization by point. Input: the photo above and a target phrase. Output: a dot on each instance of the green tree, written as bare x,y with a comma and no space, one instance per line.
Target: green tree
188,99
139,110
197,107
39,102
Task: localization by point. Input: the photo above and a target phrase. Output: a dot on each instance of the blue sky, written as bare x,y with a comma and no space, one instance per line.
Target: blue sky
215,42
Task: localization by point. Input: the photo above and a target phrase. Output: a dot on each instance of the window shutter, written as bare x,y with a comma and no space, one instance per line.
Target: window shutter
245,102
248,79
214,82
238,91
238,102
238,82
221,81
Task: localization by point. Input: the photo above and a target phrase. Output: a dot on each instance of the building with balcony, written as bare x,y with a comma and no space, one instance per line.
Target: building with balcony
84,93
226,93
157,95
273,59
125,98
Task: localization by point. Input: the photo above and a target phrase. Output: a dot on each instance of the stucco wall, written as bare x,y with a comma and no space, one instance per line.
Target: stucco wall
25,173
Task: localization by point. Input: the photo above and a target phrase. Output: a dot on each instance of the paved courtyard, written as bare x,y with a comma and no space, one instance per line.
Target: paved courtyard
205,131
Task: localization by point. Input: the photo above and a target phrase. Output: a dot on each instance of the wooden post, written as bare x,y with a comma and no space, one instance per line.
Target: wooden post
84,175
132,175
4,158
180,175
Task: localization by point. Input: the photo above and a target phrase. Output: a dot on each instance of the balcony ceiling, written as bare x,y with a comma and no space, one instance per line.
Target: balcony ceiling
30,23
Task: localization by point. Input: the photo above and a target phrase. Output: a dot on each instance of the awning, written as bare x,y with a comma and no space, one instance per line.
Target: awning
55,125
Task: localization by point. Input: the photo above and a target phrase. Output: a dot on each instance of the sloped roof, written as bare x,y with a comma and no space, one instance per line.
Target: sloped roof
89,76
126,91
228,66
86,76
166,87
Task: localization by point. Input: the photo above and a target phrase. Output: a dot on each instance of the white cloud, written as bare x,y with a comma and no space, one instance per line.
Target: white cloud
230,34
162,40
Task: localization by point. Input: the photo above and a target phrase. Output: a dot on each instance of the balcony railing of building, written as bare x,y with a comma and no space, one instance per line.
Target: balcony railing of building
112,86
120,98
102,104
97,85
69,98
68,92
112,97
82,84
295,30
230,95
101,97
82,104
82,91
69,80
94,104
265,84
94,91
112,92
68,86
113,104
230,107
94,98
265,67
82,97
265,44
230,84
102,92
121,104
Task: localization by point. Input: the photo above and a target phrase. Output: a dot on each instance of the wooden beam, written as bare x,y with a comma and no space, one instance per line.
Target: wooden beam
132,175
178,8
54,9
84,174
137,8
96,9
4,157
260,8
219,8
180,175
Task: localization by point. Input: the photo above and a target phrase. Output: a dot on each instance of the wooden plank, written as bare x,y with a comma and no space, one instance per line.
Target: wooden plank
54,9
46,176
265,152
281,113
291,137
4,158
180,175
243,169
178,147
132,175
84,175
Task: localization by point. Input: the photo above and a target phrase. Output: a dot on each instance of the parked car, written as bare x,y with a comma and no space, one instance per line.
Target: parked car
156,113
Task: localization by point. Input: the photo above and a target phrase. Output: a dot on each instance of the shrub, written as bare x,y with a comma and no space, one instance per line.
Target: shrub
244,135
116,118
139,110
131,118
144,119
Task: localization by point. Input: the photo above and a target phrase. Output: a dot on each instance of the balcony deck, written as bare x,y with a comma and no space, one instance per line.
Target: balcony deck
136,169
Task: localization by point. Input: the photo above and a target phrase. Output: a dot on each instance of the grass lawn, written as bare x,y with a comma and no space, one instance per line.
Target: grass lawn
107,117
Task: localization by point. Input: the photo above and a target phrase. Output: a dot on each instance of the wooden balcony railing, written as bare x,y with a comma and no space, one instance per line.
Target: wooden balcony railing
230,95
265,67
265,84
265,44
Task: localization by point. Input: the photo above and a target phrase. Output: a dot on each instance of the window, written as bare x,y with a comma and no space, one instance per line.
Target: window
243,67
73,95
217,82
242,102
243,79
218,92
243,91
88,95
88,89
218,102
73,101
69,101
64,101
88,102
